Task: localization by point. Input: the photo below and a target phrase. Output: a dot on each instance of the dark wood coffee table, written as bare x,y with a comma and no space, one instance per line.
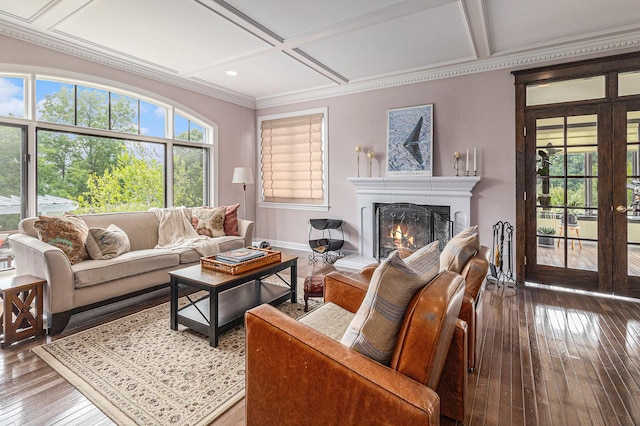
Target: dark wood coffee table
230,296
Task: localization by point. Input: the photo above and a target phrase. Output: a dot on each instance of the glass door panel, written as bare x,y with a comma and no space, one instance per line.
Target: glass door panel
633,193
566,192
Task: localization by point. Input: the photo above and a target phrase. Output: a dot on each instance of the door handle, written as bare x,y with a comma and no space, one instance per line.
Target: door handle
621,209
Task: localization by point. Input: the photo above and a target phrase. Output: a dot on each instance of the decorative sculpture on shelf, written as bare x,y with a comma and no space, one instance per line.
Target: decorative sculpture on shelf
456,160
358,149
370,155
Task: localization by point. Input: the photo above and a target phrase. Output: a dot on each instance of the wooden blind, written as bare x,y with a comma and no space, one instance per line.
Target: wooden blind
291,152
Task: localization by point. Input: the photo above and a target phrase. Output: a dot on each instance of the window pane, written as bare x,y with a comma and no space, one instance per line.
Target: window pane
189,176
292,159
93,108
93,174
196,132
10,182
566,91
180,128
55,102
124,113
12,97
153,119
629,83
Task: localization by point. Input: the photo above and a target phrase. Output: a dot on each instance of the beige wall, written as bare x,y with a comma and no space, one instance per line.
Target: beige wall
476,110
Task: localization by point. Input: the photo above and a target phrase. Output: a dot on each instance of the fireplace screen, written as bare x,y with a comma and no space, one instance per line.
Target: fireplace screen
410,226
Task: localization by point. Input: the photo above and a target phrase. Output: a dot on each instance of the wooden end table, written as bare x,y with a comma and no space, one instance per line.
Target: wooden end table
229,296
18,320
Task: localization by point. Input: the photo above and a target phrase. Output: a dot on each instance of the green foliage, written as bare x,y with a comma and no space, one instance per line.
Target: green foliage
132,184
546,230
10,152
188,172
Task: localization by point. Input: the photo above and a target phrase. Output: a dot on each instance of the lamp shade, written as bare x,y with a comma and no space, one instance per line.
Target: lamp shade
242,175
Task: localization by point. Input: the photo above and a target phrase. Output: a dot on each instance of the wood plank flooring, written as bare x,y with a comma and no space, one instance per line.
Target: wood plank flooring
548,358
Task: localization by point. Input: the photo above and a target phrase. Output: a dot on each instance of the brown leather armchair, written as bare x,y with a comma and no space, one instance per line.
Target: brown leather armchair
475,274
296,375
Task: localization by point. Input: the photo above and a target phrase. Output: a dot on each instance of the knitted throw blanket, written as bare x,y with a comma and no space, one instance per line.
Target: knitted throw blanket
176,232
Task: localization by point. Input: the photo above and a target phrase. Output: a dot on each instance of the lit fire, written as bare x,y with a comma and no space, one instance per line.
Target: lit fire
400,239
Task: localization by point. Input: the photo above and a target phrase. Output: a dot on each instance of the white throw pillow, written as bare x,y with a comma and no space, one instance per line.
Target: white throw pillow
107,243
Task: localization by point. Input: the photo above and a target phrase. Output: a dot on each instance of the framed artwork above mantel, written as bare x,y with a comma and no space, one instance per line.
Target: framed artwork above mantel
410,141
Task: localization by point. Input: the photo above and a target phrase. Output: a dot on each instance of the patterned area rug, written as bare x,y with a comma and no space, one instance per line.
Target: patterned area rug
138,371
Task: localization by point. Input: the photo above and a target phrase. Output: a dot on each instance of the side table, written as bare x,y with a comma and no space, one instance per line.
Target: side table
17,319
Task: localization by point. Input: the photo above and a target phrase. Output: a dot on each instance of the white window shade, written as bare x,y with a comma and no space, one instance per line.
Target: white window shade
292,159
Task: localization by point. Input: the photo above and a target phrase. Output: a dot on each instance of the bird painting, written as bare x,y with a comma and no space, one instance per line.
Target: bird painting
412,143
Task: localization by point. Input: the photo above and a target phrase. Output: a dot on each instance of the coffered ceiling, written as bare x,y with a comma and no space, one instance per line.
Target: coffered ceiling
286,51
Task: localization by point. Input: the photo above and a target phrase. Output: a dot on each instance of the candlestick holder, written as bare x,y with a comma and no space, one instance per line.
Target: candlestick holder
456,160
370,155
358,149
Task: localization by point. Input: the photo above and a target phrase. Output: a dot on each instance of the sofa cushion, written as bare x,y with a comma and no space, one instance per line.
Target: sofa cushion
67,233
210,221
230,220
189,255
107,243
374,329
459,250
92,272
329,319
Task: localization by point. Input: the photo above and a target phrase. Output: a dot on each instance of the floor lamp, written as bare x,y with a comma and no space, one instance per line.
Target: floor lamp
244,176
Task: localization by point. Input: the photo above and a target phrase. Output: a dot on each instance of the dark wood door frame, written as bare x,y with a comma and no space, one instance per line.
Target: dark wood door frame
610,67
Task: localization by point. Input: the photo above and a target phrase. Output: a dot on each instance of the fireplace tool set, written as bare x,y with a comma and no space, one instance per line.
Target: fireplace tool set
502,274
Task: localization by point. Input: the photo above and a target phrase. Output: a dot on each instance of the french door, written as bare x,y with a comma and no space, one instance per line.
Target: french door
582,202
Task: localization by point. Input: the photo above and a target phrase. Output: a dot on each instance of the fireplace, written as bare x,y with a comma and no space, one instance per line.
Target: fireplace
451,191
409,226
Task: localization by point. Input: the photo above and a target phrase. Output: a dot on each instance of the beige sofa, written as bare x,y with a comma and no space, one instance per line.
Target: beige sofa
75,288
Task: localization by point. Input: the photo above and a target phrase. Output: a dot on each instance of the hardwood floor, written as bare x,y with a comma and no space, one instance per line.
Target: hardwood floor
548,358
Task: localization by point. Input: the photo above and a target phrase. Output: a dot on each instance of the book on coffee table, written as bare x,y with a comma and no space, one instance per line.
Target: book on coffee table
239,255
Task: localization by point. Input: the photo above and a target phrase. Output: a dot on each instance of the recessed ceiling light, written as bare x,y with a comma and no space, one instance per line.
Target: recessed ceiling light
232,73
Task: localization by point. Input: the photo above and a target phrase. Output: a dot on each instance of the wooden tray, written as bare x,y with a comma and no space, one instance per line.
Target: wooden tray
210,262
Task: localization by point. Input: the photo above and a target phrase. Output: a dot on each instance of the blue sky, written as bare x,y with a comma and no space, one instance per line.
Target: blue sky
152,116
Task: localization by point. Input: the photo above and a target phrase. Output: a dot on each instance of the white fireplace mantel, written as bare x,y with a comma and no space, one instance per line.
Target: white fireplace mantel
451,191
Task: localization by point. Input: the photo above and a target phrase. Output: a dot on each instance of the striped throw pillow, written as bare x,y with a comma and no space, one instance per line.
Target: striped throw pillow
374,329
459,250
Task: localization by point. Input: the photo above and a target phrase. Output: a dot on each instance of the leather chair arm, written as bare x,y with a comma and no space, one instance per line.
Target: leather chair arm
344,290
475,272
453,385
296,375
367,271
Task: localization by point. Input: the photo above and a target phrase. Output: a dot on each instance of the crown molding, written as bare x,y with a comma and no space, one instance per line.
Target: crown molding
58,45
520,59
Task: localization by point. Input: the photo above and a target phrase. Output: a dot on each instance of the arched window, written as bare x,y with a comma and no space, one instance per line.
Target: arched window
99,149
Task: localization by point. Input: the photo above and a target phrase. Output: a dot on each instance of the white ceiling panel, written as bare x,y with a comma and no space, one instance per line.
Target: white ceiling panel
290,18
518,24
171,34
265,74
23,10
408,43
292,50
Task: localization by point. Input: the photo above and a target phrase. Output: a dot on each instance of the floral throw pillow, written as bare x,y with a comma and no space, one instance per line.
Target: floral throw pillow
67,233
107,243
230,219
210,221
